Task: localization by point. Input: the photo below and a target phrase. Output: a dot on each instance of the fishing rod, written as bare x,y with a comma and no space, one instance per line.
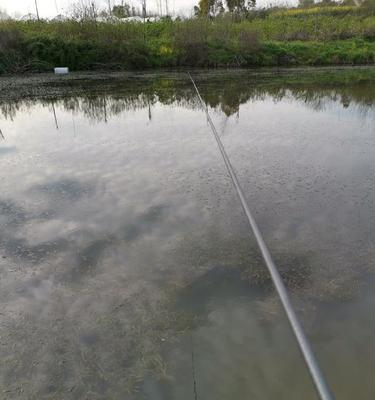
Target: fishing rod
317,376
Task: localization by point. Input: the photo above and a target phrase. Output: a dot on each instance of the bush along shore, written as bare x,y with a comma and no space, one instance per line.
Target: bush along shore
317,35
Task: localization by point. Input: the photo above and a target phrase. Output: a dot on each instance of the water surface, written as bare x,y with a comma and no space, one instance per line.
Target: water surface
127,270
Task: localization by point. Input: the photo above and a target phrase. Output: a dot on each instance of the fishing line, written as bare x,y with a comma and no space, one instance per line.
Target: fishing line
317,376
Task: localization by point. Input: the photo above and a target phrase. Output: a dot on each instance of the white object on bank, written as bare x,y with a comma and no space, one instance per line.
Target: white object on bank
62,70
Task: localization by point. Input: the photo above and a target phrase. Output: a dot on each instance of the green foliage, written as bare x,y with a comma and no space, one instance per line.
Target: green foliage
299,36
368,5
121,11
204,7
306,3
217,7
240,6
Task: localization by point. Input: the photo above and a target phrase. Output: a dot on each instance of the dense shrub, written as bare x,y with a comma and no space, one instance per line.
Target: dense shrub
298,36
190,40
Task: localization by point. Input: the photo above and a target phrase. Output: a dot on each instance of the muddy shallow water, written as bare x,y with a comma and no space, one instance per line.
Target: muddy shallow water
126,267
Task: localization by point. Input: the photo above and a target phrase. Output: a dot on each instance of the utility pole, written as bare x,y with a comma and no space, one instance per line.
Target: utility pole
161,7
144,15
166,8
37,11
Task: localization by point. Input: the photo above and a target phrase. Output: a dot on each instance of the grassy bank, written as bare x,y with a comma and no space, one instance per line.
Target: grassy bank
277,37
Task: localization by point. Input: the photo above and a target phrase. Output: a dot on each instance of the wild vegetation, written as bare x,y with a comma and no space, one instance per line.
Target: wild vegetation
311,34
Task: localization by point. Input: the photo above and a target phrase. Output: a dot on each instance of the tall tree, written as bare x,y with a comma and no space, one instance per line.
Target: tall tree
109,7
144,11
121,11
240,6
83,10
210,7
204,7
215,7
305,3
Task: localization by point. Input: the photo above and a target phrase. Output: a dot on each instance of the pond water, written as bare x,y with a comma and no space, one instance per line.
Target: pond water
127,270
